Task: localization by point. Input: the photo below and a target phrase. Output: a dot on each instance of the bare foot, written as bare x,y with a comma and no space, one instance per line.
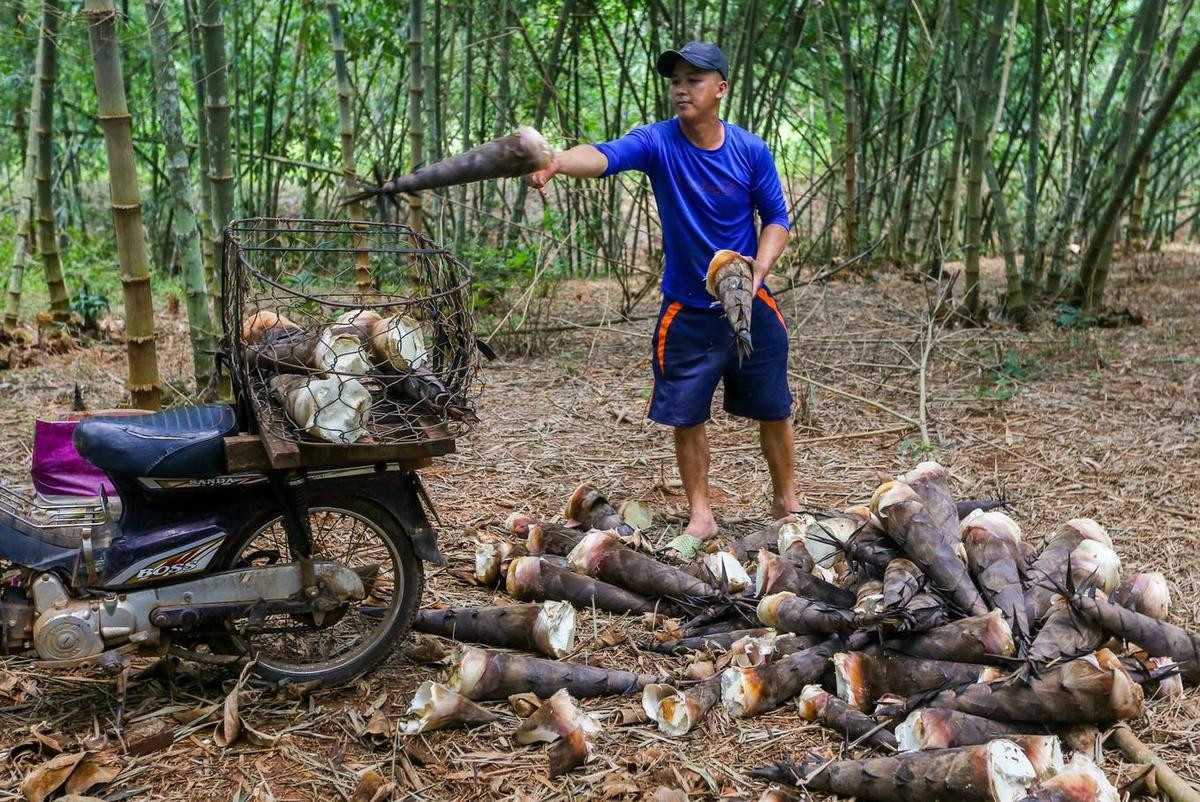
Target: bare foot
781,507
701,526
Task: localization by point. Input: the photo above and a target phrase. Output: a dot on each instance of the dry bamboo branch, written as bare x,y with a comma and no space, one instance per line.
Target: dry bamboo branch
1174,786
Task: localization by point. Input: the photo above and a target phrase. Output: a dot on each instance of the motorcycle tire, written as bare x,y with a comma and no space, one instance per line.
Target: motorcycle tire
264,541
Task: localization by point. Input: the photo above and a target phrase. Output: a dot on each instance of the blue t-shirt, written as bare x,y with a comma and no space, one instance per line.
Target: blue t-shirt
706,198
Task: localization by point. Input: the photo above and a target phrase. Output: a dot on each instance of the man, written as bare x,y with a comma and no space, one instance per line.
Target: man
709,177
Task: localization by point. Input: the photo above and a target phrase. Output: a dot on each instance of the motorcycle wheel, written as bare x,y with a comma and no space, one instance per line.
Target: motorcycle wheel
352,639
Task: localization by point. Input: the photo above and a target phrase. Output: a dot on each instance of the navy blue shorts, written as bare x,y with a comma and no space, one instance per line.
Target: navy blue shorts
695,348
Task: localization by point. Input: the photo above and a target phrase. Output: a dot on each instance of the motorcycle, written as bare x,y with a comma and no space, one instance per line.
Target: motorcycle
212,565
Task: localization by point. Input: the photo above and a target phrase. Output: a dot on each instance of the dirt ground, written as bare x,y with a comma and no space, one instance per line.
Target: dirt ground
1064,422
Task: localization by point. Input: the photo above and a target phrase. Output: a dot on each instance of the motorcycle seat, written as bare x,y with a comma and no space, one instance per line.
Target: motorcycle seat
180,443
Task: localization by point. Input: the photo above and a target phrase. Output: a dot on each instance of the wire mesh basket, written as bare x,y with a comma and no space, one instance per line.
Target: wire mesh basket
347,332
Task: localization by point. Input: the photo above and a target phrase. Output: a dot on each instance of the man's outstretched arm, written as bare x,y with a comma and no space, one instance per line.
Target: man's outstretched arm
581,161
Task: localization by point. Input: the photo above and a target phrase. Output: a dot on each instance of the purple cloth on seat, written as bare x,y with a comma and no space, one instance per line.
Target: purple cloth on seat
58,469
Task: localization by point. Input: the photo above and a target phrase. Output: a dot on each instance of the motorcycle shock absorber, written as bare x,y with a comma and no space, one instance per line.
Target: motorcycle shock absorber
291,491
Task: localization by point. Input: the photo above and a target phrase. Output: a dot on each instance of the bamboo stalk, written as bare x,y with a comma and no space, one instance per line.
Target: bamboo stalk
143,383
25,232
47,75
184,219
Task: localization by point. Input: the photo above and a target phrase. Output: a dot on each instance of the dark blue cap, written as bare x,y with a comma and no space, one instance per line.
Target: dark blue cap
703,55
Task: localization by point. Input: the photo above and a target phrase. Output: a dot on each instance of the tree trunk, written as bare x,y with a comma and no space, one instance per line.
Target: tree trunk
25,234
416,89
184,230
143,383
1093,273
981,122
1108,218
217,108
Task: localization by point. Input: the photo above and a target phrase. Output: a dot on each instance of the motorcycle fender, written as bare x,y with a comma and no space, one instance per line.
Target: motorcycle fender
408,505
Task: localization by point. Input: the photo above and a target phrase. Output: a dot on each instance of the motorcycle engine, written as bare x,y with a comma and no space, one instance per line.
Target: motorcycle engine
72,629
17,614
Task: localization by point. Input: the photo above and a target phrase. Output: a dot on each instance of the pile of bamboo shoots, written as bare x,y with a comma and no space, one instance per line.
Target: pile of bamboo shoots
927,632
323,378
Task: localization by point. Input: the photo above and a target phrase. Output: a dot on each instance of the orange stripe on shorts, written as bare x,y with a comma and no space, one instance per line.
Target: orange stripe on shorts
762,293
663,325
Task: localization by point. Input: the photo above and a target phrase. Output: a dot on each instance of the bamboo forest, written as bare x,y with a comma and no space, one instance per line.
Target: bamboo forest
358,369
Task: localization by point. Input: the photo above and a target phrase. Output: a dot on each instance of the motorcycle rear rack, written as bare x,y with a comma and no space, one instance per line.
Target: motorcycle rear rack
62,522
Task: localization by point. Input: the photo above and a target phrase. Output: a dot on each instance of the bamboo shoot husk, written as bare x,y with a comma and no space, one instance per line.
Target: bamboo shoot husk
997,771
931,482
1080,781
731,281
747,692
589,507
819,705
532,578
553,539
862,678
1091,689
1155,637
935,728
1145,593
1048,573
979,639
765,538
775,574
933,549
340,350
677,711
398,341
520,153
603,556
481,674
787,612
992,558
547,628
556,718
335,409
436,707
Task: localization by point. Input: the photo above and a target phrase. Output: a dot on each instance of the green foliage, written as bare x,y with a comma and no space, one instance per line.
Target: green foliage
1070,317
89,306
913,449
1006,378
